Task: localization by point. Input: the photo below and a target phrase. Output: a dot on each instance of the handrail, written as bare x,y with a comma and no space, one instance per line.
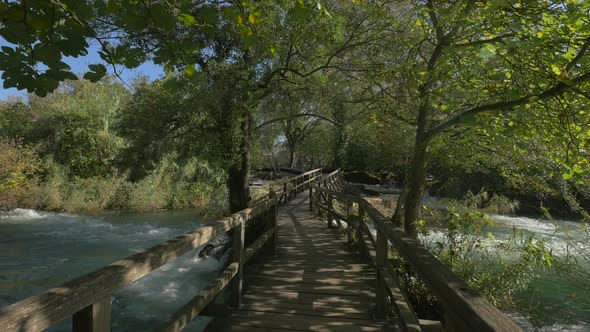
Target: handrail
293,185
88,298
466,309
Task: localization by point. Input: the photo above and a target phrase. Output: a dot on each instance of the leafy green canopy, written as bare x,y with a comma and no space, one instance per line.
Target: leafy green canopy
175,34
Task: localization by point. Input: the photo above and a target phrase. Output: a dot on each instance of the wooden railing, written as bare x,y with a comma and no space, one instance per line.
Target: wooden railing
88,298
290,187
465,309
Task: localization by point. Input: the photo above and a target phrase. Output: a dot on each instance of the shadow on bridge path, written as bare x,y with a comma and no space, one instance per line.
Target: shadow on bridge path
315,282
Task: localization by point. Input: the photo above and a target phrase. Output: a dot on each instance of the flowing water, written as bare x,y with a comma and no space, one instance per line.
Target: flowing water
553,302
42,250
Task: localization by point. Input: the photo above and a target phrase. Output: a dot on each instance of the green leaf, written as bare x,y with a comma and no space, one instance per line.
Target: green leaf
98,71
187,19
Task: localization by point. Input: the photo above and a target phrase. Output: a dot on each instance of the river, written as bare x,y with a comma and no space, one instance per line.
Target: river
41,250
552,302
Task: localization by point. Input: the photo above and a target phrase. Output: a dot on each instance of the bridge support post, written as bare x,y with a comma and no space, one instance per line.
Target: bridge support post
349,223
94,318
380,262
238,250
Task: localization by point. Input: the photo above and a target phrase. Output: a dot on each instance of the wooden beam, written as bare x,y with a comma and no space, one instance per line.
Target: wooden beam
380,261
190,310
408,321
257,245
238,253
93,318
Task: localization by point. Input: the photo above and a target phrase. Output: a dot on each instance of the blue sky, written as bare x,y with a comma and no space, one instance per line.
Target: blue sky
80,65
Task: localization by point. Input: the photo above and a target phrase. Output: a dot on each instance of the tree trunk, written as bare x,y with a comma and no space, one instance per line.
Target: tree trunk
291,156
398,215
337,150
239,175
416,176
415,188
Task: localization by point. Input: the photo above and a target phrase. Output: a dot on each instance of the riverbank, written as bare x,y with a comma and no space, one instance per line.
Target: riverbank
536,269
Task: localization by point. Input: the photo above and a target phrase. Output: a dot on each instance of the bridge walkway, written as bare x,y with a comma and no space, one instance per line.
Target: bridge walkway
315,282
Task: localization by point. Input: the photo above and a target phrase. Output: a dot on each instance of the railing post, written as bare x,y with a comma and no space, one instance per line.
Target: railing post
380,261
310,198
273,215
238,250
359,232
349,222
285,191
94,318
330,216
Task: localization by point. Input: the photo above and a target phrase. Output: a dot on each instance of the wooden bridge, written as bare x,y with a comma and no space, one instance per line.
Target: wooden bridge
322,260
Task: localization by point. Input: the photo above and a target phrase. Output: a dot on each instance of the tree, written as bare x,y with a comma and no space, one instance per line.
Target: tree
528,54
75,125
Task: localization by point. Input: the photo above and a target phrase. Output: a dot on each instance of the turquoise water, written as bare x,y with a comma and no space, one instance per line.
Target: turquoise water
42,250
555,301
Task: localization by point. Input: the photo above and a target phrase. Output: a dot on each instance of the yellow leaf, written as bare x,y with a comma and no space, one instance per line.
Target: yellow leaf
240,20
252,19
189,71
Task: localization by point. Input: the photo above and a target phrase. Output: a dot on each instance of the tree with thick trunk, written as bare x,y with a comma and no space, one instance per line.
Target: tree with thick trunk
455,66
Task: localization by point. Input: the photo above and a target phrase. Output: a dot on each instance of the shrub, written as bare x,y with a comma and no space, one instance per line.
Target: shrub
18,165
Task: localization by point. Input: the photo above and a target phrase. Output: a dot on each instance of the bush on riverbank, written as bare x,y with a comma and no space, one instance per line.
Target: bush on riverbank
18,163
169,186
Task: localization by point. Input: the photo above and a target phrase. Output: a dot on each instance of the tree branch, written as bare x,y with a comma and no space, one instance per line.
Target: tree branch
296,116
558,89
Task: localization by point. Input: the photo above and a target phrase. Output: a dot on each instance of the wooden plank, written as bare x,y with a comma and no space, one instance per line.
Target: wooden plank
307,298
408,320
307,323
190,310
94,318
238,257
380,261
309,275
300,279
322,308
326,312
257,245
313,289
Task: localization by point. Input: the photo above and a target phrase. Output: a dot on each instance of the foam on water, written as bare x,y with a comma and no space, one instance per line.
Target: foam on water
526,324
17,215
530,224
